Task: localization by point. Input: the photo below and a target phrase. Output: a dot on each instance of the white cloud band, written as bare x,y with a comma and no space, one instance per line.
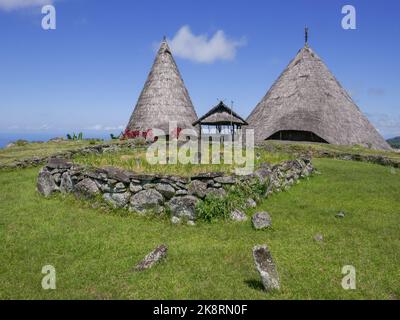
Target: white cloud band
201,49
9,5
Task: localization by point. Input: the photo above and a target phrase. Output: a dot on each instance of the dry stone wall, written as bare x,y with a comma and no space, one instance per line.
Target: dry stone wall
144,193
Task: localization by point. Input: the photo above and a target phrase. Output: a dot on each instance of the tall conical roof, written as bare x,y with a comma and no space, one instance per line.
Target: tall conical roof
164,97
307,97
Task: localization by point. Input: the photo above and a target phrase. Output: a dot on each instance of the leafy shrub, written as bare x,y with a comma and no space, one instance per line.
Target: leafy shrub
21,143
114,137
213,208
75,137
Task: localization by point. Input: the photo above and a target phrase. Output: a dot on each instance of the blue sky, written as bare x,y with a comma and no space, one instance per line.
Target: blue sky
88,73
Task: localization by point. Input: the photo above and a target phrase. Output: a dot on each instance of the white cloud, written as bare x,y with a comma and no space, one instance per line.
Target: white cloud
9,5
203,49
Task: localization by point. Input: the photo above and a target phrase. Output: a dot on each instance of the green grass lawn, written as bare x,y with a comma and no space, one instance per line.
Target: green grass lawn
93,252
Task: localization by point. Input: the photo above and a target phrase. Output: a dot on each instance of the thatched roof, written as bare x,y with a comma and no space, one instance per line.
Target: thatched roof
307,97
221,115
164,97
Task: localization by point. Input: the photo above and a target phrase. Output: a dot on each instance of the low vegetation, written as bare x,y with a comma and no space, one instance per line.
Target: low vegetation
93,252
26,150
213,208
135,160
395,142
302,148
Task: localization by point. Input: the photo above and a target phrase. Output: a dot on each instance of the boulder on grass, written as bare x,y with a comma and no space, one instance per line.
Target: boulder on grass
261,220
147,200
250,203
237,215
266,267
183,207
45,183
152,258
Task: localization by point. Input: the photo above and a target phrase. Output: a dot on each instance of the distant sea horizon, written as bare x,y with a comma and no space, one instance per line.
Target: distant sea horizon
7,138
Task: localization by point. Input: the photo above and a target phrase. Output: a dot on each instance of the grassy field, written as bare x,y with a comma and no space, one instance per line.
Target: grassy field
301,147
93,252
39,149
135,160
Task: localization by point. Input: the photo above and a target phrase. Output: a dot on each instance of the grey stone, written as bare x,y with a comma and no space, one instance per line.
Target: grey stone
152,258
105,188
119,188
216,192
183,207
263,174
210,183
319,237
66,184
225,180
86,188
117,174
147,200
340,215
266,267
175,220
237,215
117,200
261,220
134,188
166,190
149,186
250,203
56,163
198,188
182,185
57,178
45,183
191,223
181,193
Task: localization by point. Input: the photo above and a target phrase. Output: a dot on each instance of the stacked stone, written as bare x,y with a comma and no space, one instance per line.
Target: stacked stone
144,193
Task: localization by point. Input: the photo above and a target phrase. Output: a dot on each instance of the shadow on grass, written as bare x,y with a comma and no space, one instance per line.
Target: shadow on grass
255,284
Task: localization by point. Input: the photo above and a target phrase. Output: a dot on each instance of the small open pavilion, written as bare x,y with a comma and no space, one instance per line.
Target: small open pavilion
221,121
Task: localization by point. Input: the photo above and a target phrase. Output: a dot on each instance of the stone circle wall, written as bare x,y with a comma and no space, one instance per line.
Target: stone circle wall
143,193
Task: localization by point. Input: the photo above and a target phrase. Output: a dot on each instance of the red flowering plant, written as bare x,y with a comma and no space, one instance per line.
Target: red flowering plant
176,133
133,134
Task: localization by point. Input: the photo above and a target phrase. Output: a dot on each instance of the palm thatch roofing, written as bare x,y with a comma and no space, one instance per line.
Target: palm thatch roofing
221,115
164,97
307,97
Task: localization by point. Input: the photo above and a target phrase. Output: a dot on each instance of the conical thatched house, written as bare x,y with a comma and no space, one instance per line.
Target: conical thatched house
307,103
164,98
